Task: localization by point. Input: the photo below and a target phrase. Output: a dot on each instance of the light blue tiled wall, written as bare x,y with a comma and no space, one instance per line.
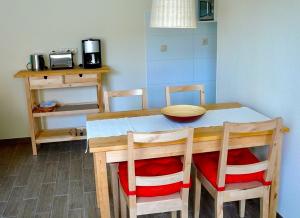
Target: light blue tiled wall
186,61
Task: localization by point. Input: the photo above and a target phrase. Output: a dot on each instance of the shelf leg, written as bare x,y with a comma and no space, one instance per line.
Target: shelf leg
99,93
32,124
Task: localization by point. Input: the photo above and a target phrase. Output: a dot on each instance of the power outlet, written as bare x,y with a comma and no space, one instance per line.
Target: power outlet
204,41
163,48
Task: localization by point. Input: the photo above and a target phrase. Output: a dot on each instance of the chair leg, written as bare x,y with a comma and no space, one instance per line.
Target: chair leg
174,214
184,213
219,205
185,201
132,206
264,203
197,196
123,205
242,208
115,188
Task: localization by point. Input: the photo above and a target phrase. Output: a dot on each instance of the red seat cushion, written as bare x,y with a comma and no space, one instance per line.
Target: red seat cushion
207,164
152,167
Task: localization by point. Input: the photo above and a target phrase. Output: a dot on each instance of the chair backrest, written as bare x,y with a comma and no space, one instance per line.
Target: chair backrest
186,135
125,93
274,126
172,89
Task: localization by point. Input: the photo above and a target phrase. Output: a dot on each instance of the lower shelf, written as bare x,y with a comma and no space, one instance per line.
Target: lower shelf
69,110
57,135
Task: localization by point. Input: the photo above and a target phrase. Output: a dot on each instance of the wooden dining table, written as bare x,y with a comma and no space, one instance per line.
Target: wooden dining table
113,149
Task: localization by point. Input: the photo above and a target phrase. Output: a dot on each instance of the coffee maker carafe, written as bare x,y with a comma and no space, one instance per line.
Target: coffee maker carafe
91,53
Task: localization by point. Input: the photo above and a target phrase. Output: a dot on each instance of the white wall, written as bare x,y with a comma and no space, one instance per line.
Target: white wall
40,26
258,65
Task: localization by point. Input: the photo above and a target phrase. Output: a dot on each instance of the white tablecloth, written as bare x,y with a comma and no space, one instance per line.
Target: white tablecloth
116,127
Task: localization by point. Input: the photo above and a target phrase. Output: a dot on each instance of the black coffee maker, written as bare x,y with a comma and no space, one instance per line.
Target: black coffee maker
91,53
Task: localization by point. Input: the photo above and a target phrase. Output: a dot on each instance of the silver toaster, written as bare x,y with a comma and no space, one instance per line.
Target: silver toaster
61,60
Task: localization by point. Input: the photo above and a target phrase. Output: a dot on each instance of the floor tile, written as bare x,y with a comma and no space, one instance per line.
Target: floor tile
88,161
6,187
76,169
2,207
39,163
3,170
76,195
14,202
53,155
77,213
28,208
89,180
34,185
50,172
15,165
46,198
42,215
60,207
63,174
90,207
23,176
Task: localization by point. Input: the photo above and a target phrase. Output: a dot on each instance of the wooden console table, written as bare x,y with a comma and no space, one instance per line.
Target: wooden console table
52,79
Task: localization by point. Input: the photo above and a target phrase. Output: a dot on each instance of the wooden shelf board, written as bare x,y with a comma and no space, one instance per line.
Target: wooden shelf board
72,85
56,135
77,70
70,110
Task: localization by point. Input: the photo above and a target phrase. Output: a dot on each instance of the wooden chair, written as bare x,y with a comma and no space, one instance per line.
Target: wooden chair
239,174
114,167
172,89
125,93
133,196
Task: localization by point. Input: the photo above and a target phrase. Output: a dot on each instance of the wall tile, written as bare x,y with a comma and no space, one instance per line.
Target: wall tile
171,71
208,28
210,91
156,96
209,50
204,69
178,46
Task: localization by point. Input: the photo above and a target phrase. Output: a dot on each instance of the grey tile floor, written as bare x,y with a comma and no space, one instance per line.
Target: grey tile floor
59,182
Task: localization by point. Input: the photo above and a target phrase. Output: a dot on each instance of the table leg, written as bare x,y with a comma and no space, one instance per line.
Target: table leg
102,191
274,193
115,188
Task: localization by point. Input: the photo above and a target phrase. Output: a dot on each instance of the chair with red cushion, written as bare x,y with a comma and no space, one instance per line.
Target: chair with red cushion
107,95
237,174
156,185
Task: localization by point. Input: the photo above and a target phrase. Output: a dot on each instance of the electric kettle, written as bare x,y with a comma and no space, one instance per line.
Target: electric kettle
36,63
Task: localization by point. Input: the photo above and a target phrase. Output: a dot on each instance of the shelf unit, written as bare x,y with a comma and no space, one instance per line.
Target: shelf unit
53,79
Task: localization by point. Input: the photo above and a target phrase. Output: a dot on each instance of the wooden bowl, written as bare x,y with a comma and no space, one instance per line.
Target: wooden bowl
183,113
47,106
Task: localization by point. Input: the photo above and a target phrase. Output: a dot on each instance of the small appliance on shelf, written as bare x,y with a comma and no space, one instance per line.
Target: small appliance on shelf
206,10
91,53
61,60
37,63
